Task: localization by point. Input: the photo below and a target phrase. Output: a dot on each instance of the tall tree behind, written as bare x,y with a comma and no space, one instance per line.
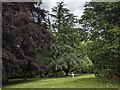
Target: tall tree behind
23,39
66,53
62,16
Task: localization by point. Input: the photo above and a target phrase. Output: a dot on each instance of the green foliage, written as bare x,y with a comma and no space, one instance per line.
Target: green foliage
101,24
66,47
86,63
62,17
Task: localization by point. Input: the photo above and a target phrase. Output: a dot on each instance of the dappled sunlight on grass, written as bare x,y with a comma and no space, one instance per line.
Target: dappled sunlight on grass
82,81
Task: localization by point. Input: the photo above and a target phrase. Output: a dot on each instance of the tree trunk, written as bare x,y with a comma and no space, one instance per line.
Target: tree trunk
67,71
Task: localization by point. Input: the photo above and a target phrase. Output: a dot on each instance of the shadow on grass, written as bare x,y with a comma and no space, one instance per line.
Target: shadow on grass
20,81
26,80
98,80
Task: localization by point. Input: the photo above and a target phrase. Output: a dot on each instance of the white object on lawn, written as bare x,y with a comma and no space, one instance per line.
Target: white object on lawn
73,75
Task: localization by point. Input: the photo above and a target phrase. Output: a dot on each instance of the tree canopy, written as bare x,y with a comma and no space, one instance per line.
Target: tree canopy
101,24
23,39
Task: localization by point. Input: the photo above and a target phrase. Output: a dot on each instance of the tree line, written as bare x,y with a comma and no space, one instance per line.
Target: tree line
35,46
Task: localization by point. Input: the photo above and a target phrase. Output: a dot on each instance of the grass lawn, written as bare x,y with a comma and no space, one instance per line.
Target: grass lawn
82,81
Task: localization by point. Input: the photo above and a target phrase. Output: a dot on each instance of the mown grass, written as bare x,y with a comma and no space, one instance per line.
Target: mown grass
82,81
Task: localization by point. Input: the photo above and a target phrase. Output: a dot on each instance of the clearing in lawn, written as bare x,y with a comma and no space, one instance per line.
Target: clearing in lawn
82,81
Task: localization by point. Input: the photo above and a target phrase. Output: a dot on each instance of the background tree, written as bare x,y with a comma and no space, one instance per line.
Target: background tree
101,22
66,54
